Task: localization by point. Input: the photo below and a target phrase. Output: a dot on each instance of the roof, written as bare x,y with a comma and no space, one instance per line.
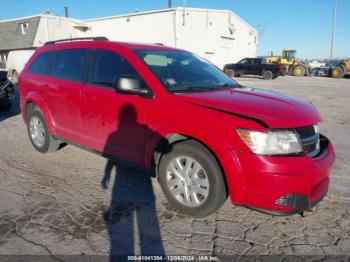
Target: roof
102,43
131,45
39,16
10,38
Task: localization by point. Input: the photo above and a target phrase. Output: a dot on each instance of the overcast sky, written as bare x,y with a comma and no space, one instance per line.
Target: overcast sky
304,25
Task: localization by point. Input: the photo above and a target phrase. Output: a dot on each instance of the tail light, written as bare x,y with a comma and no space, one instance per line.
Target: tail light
280,69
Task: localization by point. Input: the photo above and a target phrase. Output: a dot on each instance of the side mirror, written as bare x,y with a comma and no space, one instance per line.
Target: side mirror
129,85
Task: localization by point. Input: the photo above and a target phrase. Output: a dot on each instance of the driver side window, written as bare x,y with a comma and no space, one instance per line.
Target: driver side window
107,66
243,62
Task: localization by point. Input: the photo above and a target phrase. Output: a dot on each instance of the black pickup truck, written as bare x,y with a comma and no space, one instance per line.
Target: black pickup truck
253,66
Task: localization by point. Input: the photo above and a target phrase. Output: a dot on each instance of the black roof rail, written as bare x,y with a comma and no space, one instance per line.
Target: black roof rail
158,43
98,38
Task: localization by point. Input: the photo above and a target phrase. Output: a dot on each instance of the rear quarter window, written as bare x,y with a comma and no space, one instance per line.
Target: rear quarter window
69,64
42,63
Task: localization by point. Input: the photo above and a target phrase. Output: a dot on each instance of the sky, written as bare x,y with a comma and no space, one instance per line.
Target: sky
304,25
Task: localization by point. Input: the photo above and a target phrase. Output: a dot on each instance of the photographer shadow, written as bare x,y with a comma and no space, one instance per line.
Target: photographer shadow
131,219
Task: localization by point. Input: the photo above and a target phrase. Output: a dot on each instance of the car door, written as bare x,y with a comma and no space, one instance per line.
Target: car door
241,67
256,68
113,123
64,92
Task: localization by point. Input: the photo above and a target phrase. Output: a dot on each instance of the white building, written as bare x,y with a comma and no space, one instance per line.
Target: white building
217,35
20,37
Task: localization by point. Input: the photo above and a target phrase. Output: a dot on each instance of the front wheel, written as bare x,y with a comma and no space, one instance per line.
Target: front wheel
299,70
191,179
337,72
38,133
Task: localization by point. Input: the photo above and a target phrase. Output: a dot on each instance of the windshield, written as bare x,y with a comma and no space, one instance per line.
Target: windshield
181,71
289,54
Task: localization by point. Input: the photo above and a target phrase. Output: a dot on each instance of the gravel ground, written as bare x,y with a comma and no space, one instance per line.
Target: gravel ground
55,205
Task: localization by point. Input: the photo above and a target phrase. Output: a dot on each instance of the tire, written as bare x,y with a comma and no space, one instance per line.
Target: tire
308,71
230,73
299,70
275,76
267,75
47,142
14,77
338,72
210,175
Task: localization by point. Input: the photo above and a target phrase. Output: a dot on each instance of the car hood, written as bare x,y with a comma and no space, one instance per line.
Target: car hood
271,108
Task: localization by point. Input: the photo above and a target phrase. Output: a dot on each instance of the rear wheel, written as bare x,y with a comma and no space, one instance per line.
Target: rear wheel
268,75
38,133
299,70
338,72
14,77
230,72
191,179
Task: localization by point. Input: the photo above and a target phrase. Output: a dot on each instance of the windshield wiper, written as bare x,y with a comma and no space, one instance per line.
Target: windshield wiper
202,88
230,85
191,89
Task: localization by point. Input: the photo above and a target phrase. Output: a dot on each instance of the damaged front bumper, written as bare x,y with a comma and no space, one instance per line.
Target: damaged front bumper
7,92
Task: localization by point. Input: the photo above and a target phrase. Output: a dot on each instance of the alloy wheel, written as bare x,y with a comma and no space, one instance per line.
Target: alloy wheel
187,181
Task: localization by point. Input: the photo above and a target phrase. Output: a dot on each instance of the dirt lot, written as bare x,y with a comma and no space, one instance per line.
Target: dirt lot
55,204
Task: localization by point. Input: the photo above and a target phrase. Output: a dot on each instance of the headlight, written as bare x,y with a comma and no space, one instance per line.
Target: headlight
271,143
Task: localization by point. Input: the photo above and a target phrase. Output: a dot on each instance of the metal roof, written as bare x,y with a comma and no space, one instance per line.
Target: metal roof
10,37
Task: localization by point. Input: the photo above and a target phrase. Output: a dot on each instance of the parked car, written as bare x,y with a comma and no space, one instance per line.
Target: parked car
314,64
320,71
174,114
15,63
254,66
7,91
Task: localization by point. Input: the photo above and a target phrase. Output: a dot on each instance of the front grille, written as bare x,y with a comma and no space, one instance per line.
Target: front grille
310,139
305,132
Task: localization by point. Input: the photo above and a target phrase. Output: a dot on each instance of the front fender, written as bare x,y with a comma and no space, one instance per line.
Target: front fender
216,142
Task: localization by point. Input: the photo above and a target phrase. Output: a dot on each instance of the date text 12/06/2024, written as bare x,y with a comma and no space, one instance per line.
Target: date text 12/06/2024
173,258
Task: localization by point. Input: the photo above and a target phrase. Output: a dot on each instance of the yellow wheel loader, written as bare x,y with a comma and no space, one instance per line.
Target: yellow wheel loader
342,69
290,64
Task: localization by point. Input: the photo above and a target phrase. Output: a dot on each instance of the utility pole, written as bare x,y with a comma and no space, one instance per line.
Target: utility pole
66,11
169,3
333,30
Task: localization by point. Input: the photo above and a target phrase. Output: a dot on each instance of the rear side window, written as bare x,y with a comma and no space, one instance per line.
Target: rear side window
107,66
42,63
257,61
69,64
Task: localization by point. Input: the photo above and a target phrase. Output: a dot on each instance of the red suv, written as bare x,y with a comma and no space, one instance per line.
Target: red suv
171,112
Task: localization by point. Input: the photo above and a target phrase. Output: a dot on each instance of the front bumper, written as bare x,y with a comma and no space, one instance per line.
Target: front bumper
7,92
284,185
